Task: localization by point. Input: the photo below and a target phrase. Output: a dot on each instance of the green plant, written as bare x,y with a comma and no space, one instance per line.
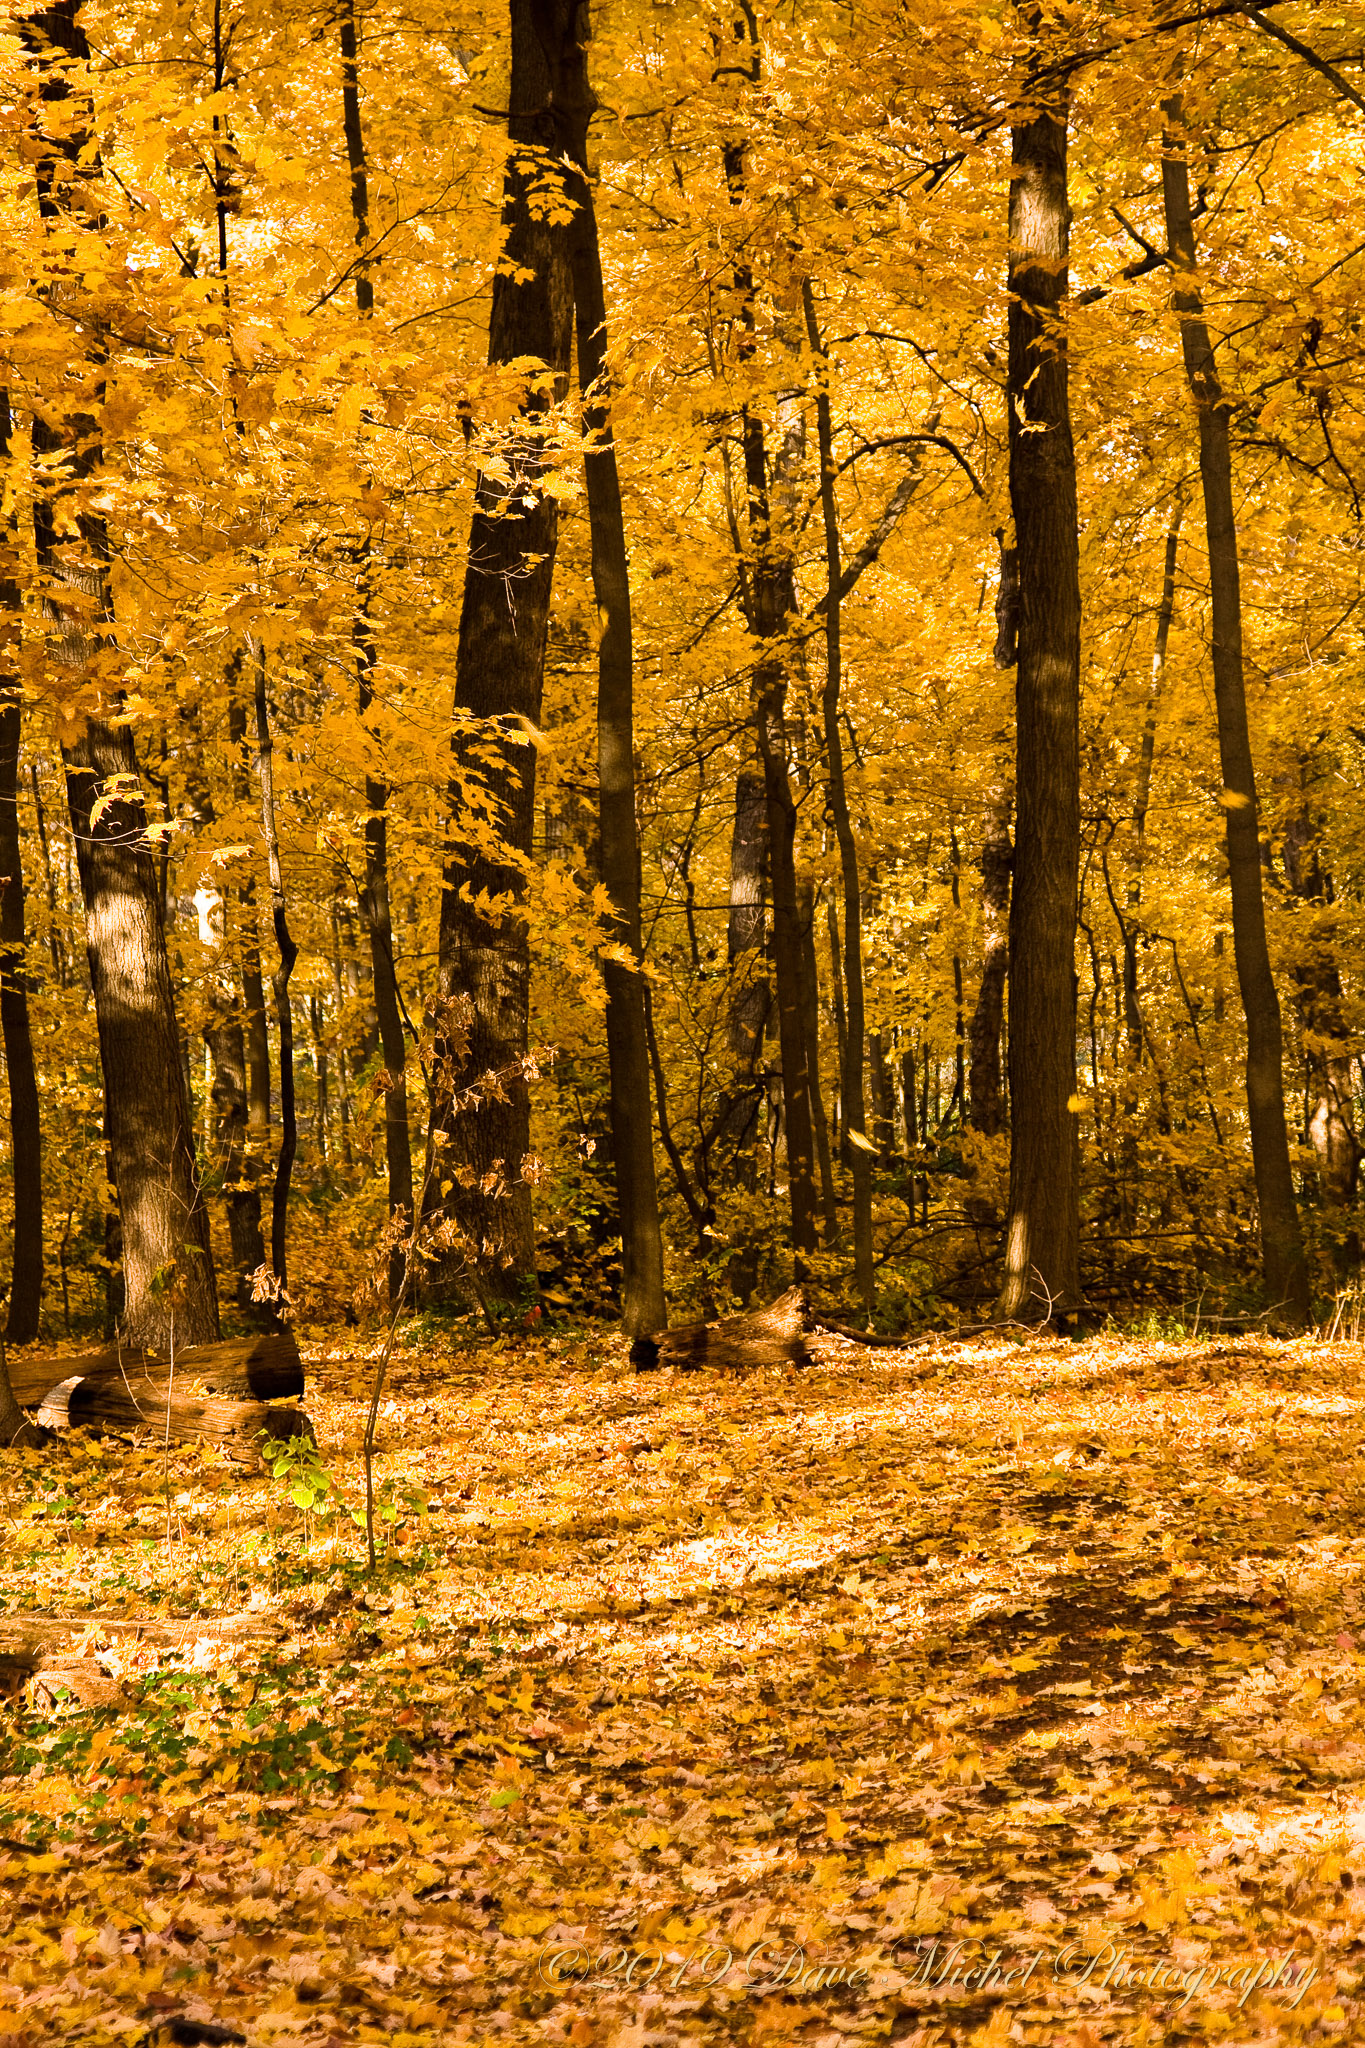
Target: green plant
296,1465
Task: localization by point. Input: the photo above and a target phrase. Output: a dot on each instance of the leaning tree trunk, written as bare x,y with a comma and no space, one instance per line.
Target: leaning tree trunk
564,31
1042,1228
167,1263
374,898
483,945
26,1137
1284,1263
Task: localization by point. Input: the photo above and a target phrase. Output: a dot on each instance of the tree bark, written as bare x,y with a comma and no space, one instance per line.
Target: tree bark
483,948
26,1137
1042,1229
564,31
1284,1263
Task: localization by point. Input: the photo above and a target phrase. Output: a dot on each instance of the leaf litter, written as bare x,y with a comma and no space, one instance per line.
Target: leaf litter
1024,1649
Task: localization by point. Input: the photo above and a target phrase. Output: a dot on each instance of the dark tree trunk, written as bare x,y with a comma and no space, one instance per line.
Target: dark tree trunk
374,898
564,31
771,606
985,1110
1285,1266
1042,1231
484,952
26,1137
284,1011
849,1003
163,1218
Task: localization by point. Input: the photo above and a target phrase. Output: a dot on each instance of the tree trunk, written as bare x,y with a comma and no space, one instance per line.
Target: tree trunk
564,31
167,1263
1285,1266
374,898
26,1137
483,948
771,605
810,1011
284,1013
985,1110
853,1032
1042,1230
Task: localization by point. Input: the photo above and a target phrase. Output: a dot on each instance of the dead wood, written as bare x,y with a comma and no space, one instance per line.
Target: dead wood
157,1408
772,1336
266,1367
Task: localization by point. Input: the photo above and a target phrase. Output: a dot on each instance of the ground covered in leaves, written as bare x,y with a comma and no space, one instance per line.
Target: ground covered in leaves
991,1691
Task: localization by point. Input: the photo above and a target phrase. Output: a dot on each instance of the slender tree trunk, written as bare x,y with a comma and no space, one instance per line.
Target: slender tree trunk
853,1035
985,1110
484,954
284,1013
836,980
1285,1266
564,30
26,1137
810,1011
1042,1229
374,898
163,1218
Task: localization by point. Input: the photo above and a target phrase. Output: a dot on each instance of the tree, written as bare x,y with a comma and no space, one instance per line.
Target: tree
563,30
484,950
164,1222
1042,1223
1285,1265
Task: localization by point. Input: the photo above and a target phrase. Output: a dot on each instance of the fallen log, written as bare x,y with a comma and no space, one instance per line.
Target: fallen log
158,1409
266,1367
772,1336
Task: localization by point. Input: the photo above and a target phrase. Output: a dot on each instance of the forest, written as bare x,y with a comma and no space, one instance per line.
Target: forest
649,658
681,820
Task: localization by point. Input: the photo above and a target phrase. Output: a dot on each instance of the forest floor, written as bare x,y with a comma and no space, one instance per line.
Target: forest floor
767,1709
